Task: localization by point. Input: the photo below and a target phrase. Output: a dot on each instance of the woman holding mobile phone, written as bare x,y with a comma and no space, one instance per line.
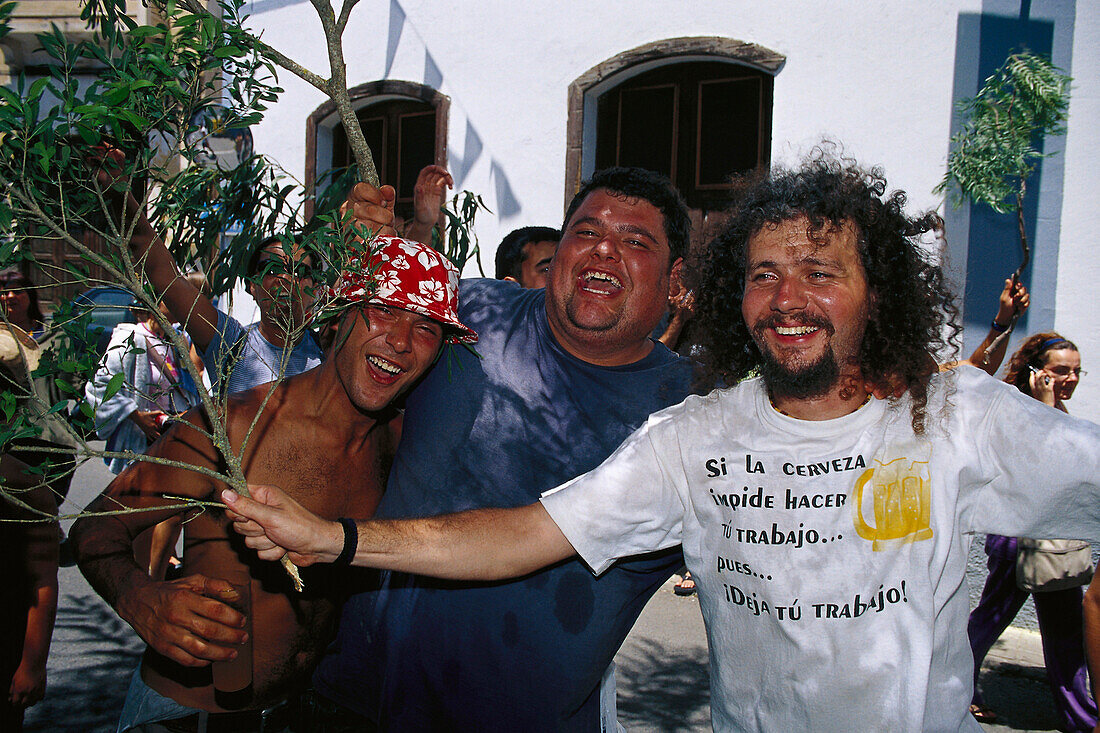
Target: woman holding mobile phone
1047,367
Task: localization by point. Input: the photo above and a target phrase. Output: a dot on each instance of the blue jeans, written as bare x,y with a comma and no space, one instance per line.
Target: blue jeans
146,705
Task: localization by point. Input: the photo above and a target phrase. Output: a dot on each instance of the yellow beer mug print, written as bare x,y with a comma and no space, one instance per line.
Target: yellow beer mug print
901,492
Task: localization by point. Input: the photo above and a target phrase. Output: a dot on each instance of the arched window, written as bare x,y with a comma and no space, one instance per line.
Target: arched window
696,122
405,125
695,109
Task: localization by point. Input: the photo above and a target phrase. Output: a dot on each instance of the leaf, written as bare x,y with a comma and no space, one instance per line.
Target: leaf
58,407
114,385
227,51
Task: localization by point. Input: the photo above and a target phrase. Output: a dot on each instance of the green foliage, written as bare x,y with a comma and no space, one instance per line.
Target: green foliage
992,157
158,89
461,243
151,81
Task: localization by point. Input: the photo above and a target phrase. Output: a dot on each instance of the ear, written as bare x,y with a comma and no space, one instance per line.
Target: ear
511,279
675,277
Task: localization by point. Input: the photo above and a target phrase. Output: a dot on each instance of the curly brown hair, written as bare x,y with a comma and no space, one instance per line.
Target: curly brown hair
912,318
1032,353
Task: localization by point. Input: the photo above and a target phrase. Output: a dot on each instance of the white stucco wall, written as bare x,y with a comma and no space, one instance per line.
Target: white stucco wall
1076,310
882,87
878,78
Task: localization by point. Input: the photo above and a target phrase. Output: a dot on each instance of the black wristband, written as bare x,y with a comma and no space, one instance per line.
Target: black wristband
998,327
351,542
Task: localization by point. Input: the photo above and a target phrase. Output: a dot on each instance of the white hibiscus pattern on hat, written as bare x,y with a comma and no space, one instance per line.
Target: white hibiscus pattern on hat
418,300
433,289
389,278
427,259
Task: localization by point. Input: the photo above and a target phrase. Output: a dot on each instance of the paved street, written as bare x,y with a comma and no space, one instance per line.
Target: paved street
663,671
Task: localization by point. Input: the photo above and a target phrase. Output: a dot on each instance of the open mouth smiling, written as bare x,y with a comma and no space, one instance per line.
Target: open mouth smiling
597,281
795,330
385,366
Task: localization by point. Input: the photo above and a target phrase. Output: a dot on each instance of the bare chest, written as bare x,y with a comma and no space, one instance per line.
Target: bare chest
328,478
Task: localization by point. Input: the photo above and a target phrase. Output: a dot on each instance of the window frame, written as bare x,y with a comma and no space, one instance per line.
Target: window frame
586,89
323,120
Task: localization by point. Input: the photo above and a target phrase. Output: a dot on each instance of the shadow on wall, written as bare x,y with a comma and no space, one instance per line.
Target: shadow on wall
506,205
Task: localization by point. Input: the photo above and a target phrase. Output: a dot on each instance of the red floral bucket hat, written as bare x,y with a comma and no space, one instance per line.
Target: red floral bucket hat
408,275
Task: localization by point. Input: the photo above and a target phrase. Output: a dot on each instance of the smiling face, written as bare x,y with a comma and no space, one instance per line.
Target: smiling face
283,293
1064,367
806,305
609,281
386,351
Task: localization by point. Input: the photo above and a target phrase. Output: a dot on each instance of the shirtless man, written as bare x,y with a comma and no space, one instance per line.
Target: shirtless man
328,436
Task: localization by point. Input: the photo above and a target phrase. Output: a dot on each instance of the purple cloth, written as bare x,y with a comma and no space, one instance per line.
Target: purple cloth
1060,625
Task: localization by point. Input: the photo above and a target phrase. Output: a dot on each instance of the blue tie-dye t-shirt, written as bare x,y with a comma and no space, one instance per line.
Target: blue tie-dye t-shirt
496,429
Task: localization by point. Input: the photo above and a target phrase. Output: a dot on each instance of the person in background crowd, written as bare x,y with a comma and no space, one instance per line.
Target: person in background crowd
237,357
28,604
153,389
524,255
24,323
1046,367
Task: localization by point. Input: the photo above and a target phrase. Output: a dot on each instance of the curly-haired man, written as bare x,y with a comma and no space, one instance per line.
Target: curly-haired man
826,529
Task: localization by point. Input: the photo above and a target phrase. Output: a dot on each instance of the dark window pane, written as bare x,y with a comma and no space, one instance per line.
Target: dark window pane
647,129
417,149
729,129
374,130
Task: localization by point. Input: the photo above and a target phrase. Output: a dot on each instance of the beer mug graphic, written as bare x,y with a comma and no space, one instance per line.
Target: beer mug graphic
901,494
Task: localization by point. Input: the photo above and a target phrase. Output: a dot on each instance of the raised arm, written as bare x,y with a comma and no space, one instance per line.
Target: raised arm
185,302
371,207
1014,298
180,619
681,308
482,544
428,196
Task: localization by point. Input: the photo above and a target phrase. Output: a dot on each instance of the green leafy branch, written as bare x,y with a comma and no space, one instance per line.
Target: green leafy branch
995,153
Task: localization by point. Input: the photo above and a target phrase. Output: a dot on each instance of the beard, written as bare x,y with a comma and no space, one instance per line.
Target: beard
808,380
798,380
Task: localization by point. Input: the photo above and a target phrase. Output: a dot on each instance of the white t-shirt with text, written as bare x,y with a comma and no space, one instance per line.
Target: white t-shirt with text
830,555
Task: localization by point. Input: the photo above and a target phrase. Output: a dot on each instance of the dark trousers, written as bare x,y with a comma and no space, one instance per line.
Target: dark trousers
1060,625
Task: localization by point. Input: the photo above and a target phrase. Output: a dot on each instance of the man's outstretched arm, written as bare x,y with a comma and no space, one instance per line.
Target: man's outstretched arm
481,544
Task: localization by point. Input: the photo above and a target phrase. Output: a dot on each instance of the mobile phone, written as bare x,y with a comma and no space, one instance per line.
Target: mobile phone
1036,371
